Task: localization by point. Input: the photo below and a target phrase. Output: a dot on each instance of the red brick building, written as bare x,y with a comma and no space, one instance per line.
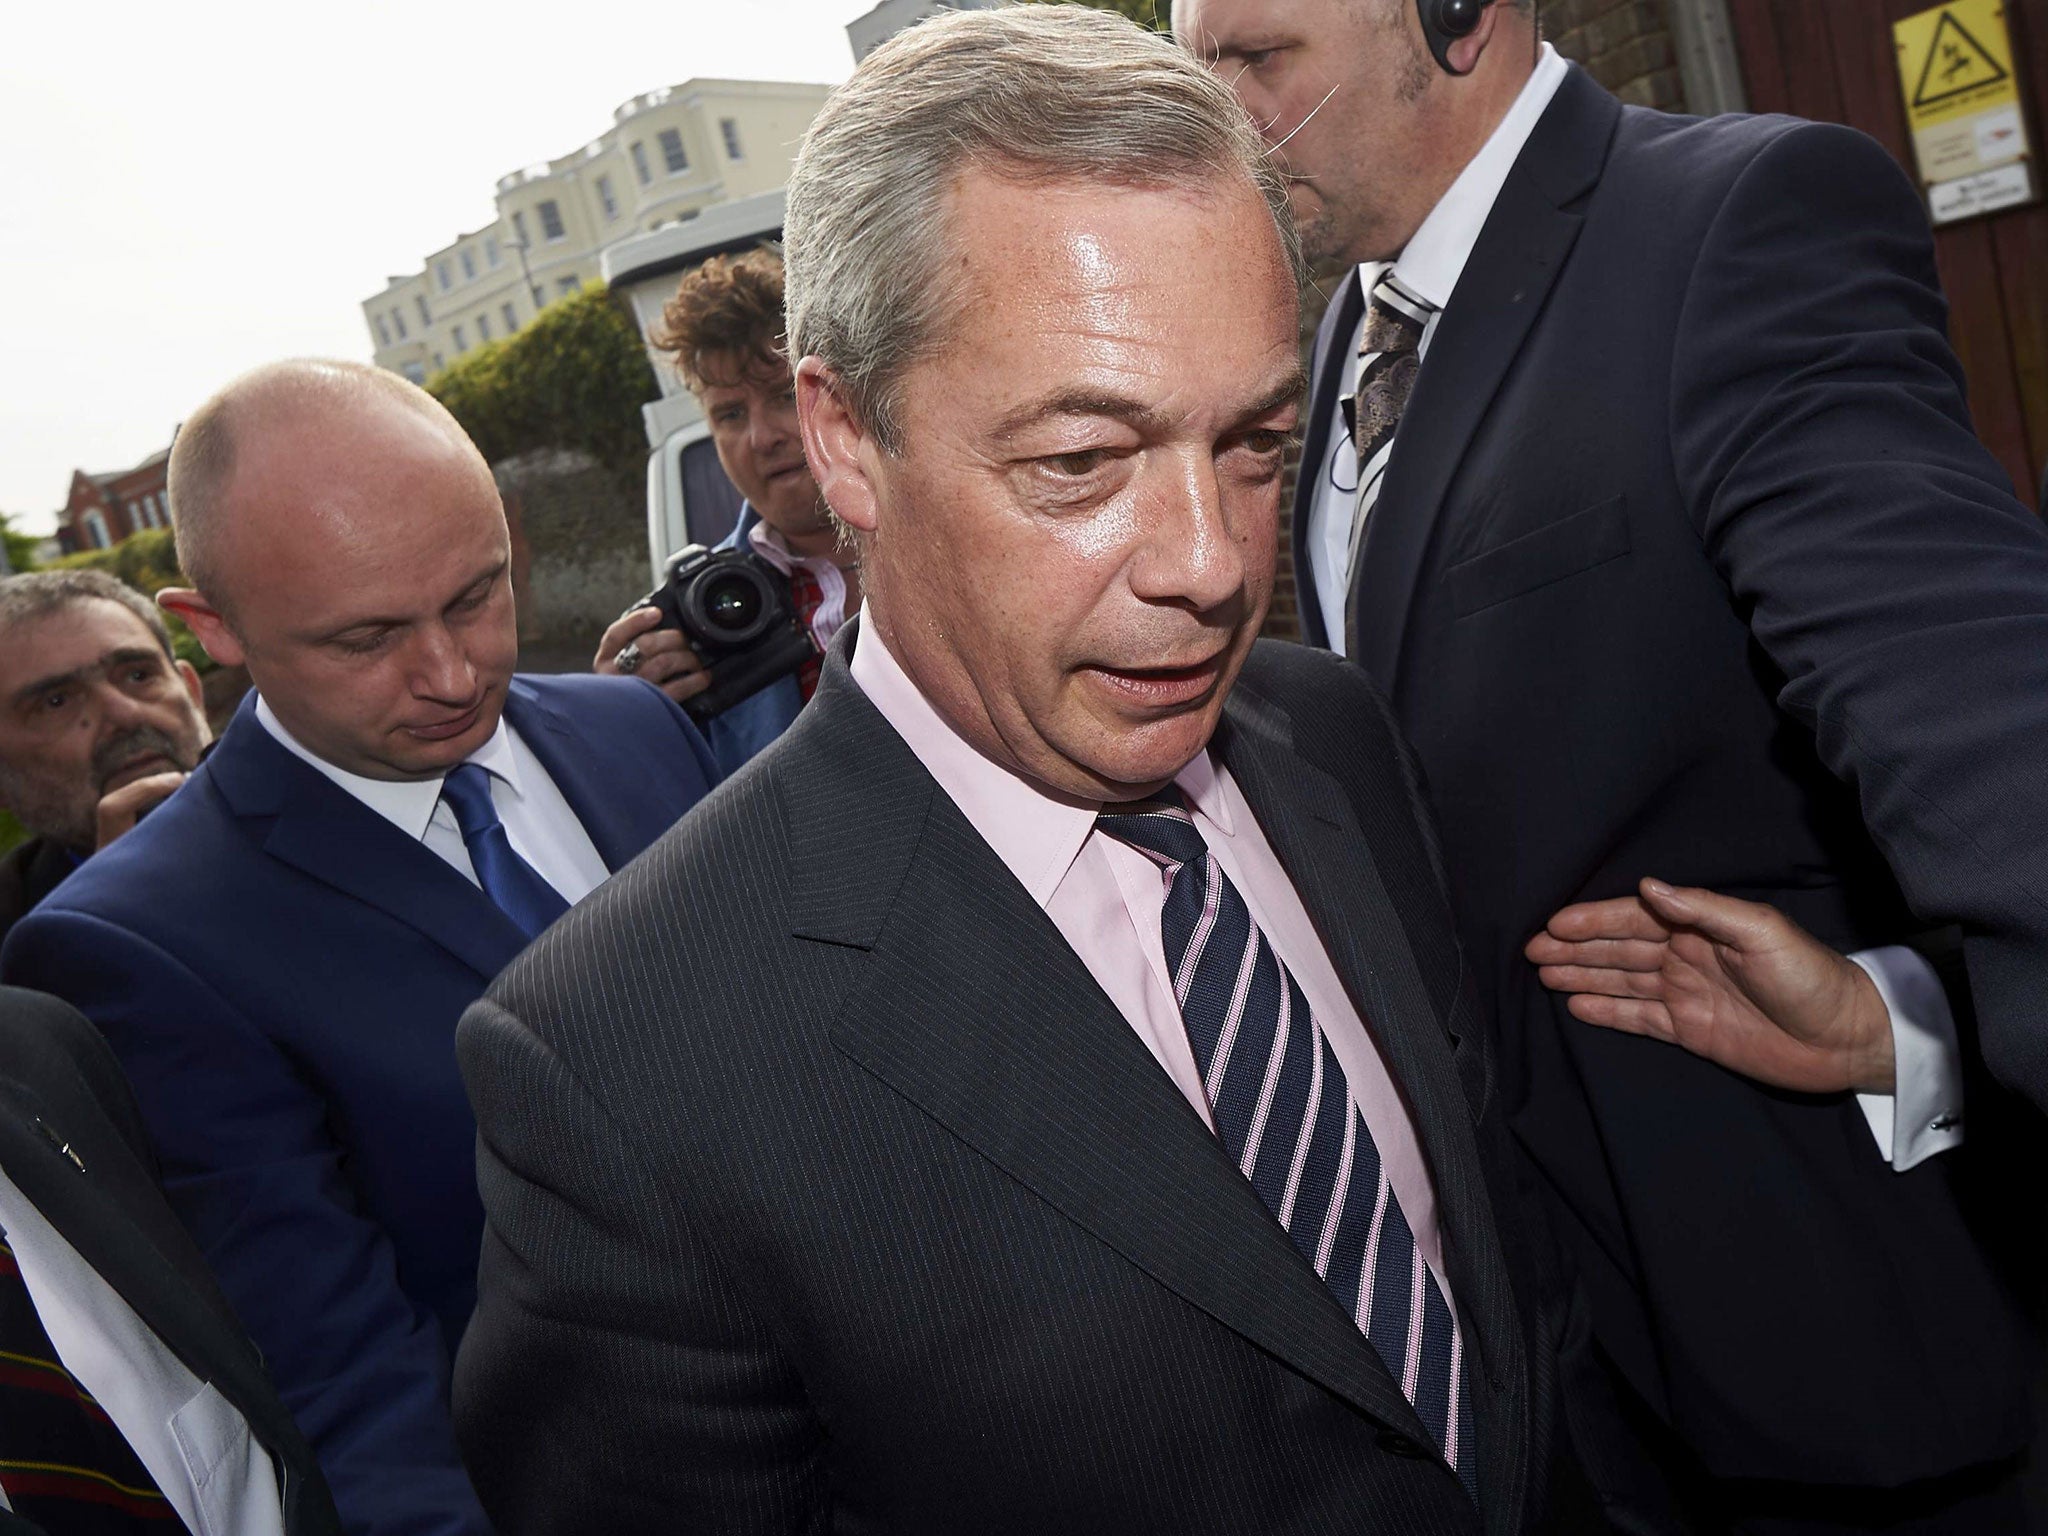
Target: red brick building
105,509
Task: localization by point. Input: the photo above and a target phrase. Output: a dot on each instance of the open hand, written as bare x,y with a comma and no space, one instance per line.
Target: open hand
1736,982
666,659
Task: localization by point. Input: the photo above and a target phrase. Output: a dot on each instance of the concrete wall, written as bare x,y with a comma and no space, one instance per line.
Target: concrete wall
579,554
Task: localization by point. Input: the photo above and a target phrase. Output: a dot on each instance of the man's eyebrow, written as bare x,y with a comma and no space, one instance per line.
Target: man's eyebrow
124,656
54,681
1285,393
1080,401
403,621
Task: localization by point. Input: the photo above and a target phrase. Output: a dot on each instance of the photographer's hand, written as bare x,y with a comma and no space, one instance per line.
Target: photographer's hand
666,659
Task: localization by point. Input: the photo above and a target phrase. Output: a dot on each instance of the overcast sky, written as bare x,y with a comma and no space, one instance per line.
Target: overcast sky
187,190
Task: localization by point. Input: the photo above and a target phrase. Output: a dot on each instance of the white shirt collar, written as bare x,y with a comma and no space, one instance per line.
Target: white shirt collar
1435,256
1035,832
407,804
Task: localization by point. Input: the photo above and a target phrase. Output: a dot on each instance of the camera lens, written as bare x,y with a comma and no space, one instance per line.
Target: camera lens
731,603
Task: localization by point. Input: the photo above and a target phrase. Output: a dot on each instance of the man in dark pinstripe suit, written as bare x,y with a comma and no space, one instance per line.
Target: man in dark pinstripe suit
1039,1094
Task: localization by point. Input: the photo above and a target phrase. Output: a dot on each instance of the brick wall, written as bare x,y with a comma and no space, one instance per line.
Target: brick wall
1624,44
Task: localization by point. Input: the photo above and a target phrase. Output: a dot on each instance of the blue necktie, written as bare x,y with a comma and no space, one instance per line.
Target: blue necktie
1283,1110
511,882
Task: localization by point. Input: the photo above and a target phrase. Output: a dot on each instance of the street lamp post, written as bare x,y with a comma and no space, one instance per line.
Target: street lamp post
526,272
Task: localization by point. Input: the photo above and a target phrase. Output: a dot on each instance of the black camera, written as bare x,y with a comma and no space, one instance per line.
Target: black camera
734,608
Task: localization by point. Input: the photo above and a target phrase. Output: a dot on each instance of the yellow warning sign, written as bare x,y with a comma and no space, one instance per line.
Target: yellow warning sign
1963,105
1954,60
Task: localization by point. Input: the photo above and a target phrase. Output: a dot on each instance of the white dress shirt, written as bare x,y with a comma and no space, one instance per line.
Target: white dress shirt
195,1445
539,823
1925,1115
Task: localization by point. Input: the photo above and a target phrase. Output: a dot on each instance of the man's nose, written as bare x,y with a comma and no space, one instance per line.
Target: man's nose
119,709
1189,555
441,667
769,429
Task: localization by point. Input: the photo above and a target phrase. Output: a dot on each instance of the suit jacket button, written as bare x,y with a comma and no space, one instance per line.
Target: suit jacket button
1401,1445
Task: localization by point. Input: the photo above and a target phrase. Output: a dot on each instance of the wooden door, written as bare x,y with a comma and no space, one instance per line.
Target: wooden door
1832,60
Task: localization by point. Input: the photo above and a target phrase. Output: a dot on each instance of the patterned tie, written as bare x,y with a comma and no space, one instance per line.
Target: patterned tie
1283,1109
63,1464
514,884
1391,352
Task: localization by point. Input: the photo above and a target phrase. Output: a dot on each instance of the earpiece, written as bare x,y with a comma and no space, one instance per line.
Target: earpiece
1445,21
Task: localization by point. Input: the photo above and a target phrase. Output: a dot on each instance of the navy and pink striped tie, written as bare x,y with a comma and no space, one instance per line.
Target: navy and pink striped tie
1283,1108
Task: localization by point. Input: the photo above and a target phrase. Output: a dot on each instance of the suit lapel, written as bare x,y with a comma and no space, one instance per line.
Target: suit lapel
616,823
1314,831
1326,374
973,1007
322,831
1521,250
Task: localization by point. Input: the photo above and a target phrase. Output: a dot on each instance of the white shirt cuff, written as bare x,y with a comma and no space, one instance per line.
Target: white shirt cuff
1923,1115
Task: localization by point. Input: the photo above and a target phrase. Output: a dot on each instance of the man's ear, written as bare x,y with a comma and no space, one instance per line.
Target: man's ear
1465,51
841,451
204,620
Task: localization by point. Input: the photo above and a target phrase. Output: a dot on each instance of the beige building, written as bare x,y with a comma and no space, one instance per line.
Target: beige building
667,156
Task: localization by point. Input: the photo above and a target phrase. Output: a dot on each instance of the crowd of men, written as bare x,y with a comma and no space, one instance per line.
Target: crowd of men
1552,1053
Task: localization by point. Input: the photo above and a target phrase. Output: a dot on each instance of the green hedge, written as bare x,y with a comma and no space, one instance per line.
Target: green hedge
575,378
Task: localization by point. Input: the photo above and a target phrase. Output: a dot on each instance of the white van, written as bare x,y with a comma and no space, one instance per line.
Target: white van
689,499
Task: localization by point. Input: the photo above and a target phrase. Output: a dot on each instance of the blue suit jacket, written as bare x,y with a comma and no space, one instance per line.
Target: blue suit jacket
280,970
738,733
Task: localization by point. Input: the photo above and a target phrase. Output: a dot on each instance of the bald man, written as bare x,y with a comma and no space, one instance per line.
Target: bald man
279,954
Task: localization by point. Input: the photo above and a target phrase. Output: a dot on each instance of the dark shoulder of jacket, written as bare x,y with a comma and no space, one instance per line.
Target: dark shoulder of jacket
1696,160
1333,708
701,901
53,1048
1342,722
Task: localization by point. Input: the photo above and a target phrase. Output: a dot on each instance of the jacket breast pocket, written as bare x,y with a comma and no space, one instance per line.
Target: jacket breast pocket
1550,554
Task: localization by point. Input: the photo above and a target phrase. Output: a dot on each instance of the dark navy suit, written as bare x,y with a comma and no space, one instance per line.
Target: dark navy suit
1687,563
280,970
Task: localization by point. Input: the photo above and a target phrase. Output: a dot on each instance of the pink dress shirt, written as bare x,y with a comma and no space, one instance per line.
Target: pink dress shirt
1106,900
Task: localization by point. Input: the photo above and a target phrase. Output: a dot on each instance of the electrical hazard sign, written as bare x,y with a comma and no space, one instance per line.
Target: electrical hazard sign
1963,105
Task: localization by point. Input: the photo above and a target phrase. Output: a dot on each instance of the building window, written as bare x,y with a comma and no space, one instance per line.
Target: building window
483,327
441,271
383,333
730,128
640,163
491,256
519,228
551,221
511,317
416,372
672,151
426,316
468,265
398,320
440,362
540,299
96,530
461,341
605,198
567,285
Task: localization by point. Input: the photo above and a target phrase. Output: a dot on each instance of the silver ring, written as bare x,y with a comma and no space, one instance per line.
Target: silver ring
629,659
